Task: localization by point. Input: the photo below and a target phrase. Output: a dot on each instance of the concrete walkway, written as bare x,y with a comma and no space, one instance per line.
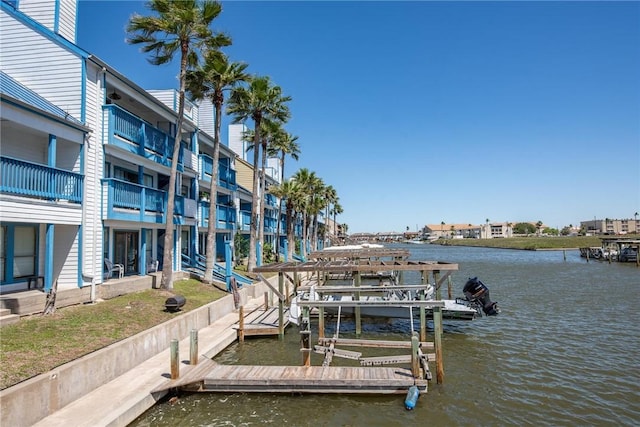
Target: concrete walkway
122,400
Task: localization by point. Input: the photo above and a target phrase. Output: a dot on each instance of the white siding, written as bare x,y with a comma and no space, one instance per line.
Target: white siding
42,11
65,256
23,146
37,122
67,19
235,140
169,97
92,202
54,72
34,211
205,117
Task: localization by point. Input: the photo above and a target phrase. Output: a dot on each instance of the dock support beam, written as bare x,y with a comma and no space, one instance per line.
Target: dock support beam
437,343
357,281
175,360
193,347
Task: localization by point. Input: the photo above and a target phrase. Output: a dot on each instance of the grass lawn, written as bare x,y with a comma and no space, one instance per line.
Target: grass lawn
37,344
531,243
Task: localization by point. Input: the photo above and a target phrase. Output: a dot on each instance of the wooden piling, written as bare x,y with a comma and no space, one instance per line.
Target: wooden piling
436,280
281,306
266,301
437,343
241,324
193,347
415,356
423,313
450,287
175,360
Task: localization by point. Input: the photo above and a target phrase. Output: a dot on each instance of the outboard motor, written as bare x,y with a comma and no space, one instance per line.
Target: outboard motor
476,292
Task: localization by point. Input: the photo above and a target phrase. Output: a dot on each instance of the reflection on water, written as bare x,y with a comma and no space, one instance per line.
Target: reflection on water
564,351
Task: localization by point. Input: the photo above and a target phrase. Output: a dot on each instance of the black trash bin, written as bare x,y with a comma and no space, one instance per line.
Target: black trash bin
174,303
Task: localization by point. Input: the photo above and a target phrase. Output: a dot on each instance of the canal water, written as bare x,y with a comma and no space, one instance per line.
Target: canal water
564,351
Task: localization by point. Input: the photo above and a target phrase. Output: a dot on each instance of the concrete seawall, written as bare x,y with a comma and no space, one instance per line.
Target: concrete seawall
112,386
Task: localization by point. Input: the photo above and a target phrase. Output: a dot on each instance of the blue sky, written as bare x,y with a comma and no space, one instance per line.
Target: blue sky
421,112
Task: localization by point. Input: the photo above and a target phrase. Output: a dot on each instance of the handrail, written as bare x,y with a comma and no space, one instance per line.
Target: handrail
35,180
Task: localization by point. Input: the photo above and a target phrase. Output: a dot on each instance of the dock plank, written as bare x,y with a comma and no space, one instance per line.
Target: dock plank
309,379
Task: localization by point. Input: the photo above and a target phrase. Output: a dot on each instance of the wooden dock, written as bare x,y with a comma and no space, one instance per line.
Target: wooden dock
261,322
211,377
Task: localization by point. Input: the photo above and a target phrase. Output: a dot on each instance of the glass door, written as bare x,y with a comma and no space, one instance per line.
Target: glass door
126,250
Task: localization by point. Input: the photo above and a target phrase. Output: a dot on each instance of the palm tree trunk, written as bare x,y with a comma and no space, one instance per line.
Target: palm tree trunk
213,195
263,192
255,199
167,256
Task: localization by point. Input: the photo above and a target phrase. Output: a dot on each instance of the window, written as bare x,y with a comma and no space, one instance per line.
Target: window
130,176
18,252
149,243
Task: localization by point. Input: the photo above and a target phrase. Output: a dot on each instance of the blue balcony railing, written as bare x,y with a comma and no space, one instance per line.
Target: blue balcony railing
35,180
225,216
147,140
134,202
245,221
226,175
271,200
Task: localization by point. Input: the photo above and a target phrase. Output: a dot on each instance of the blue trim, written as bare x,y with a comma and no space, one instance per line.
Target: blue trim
80,256
56,17
75,21
143,252
82,160
48,259
21,93
52,149
10,253
83,97
35,25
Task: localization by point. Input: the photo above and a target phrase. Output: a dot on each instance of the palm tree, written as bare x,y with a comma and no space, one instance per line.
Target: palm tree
282,146
211,80
305,179
288,192
258,101
179,26
337,210
330,197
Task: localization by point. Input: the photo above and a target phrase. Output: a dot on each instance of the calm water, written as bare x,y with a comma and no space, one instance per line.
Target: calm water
564,351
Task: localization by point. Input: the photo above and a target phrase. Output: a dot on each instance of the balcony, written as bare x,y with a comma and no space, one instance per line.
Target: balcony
136,136
37,181
226,175
245,221
225,216
126,201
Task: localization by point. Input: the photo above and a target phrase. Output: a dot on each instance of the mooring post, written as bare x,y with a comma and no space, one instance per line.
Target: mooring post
193,347
415,359
450,287
437,343
423,314
564,255
280,306
175,360
320,322
241,324
266,301
436,279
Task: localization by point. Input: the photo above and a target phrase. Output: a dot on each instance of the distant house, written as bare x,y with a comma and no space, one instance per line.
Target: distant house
468,231
609,226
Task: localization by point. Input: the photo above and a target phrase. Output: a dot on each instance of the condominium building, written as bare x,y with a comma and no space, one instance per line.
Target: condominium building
85,159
